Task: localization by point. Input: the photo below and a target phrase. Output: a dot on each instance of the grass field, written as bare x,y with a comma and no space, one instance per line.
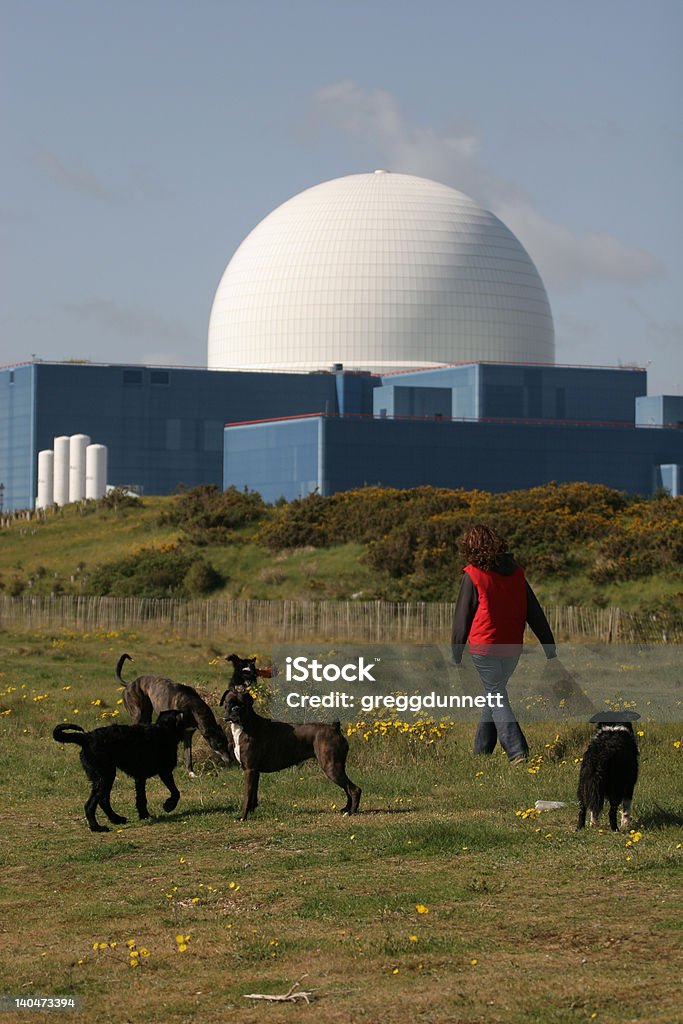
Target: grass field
444,901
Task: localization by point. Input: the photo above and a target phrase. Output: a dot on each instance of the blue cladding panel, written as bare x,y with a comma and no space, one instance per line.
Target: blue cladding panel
561,392
18,466
409,401
493,457
279,460
660,411
507,390
354,393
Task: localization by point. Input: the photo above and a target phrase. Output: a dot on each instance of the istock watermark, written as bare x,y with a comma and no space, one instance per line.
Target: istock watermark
302,669
409,681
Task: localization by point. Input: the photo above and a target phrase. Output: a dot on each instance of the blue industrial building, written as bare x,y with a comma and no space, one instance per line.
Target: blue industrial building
492,426
162,426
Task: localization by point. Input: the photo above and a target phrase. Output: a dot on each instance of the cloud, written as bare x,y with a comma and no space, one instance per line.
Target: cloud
564,258
74,178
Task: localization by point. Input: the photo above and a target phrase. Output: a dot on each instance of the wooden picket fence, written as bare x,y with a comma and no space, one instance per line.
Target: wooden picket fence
284,621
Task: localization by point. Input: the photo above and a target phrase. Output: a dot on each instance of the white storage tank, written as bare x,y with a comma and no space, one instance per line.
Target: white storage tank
61,470
46,462
95,471
77,446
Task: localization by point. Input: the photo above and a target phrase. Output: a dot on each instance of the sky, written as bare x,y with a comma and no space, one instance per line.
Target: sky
144,139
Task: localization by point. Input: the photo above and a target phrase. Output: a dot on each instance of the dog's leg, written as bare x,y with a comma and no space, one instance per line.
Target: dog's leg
138,705
169,782
613,816
250,794
253,801
626,813
91,806
582,816
141,797
105,801
333,763
187,740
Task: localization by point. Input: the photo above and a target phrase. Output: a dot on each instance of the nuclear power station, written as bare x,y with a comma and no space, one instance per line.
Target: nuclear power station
378,328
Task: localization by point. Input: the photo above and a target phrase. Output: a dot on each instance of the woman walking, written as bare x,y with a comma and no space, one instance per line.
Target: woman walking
494,604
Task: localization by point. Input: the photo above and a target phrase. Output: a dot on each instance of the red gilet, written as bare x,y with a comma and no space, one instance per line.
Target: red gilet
500,617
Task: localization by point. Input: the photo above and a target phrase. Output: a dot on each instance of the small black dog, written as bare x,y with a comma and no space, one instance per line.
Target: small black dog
244,673
610,768
262,745
142,751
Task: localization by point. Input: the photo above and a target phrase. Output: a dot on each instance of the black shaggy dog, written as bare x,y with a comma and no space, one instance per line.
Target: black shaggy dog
142,751
609,769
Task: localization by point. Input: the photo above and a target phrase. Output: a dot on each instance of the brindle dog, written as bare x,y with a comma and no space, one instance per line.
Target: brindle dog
148,695
262,745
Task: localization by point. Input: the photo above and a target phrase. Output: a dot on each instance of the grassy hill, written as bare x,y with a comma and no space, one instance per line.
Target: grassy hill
580,545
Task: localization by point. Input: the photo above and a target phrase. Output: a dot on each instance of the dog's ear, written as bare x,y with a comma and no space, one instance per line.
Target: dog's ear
222,700
234,658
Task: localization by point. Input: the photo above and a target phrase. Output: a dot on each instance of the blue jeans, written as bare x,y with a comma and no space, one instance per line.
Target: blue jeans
498,723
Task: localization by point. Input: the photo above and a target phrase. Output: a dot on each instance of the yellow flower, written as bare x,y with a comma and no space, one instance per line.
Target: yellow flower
421,908
474,962
413,938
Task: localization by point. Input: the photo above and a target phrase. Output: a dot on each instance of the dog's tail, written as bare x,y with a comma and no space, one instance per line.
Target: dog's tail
591,794
67,733
119,665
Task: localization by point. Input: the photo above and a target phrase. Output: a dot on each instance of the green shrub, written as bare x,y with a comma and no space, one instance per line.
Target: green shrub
207,515
150,572
201,579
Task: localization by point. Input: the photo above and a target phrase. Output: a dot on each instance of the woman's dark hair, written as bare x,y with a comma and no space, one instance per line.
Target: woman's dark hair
482,547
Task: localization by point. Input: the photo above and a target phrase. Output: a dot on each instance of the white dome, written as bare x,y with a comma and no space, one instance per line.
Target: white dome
379,271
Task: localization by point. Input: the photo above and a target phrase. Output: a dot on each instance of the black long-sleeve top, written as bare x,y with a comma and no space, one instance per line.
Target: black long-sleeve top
466,607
